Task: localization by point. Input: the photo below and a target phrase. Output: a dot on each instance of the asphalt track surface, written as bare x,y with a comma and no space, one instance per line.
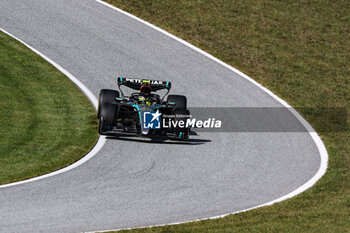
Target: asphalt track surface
132,183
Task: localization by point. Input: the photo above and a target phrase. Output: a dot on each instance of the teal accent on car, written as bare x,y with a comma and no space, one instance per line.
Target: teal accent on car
180,135
167,84
138,110
136,106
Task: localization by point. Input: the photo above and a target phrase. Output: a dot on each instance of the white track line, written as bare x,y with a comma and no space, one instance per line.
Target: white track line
320,146
101,141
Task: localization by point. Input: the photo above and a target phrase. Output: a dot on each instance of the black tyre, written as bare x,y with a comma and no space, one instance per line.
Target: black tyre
182,134
107,117
106,96
180,101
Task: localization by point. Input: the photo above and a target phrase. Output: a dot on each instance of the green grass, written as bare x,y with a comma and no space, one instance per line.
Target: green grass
300,50
46,123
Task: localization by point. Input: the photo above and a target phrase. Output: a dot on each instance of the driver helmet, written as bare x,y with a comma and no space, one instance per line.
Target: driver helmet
145,91
142,100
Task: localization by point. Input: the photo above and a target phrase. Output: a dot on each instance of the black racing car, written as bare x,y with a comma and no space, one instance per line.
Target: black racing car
143,113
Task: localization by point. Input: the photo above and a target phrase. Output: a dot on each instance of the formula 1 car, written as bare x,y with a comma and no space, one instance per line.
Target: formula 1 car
143,113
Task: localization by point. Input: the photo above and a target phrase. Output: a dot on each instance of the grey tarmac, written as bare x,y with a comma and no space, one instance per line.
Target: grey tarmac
134,182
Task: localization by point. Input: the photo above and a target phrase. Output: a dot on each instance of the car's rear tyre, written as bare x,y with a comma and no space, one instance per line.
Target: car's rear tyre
179,100
107,110
181,133
107,118
108,113
181,114
106,96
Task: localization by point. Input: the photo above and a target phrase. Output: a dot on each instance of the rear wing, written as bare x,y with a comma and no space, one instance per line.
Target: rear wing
137,83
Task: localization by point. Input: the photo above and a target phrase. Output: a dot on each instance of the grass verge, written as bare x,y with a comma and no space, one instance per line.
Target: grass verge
46,122
300,50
